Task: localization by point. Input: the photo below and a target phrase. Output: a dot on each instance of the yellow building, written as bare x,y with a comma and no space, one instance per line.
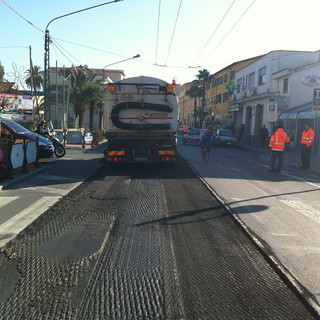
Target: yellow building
220,90
186,105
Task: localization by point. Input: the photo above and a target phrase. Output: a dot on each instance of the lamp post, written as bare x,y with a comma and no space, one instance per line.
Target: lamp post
46,86
108,65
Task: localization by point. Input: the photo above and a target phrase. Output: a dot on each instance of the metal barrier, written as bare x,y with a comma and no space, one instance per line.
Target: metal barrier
18,155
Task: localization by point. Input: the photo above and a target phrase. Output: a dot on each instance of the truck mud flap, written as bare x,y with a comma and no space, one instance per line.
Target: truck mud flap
138,105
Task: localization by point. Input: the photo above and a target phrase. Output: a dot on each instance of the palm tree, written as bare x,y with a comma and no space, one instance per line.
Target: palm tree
204,78
1,72
195,92
86,93
34,80
95,94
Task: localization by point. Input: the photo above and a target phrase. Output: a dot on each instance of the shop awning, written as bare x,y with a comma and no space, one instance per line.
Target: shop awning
303,111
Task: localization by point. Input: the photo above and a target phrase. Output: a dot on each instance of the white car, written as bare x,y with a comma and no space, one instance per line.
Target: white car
194,136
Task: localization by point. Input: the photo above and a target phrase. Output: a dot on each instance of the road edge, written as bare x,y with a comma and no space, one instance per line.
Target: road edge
284,273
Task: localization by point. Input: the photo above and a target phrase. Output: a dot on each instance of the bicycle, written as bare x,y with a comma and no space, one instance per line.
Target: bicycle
206,152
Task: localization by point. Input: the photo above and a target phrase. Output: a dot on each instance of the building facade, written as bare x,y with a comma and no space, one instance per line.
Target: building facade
262,91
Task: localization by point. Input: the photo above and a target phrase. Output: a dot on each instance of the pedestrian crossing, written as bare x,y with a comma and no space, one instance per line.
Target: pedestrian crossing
10,228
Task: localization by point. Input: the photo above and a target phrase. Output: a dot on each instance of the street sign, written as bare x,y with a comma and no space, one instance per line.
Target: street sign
272,109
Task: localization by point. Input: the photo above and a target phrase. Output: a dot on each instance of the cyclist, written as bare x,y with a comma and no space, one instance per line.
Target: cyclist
207,138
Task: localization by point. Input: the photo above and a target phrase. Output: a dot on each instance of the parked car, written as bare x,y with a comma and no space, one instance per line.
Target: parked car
194,136
225,137
19,132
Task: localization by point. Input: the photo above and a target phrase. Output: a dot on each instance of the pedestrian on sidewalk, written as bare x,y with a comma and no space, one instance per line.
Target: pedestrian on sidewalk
263,133
277,144
306,143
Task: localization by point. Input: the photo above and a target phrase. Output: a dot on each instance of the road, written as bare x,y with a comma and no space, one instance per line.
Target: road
29,197
140,242
282,209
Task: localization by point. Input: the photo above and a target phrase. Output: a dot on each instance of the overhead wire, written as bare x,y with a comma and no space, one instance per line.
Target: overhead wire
230,30
174,29
61,49
158,31
214,31
21,16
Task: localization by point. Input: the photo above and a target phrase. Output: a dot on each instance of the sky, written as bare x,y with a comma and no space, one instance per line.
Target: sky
174,38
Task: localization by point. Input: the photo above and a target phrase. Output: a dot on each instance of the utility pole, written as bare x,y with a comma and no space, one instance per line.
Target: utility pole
46,85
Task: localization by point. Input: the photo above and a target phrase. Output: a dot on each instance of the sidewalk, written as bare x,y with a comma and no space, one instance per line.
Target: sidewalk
20,173
291,157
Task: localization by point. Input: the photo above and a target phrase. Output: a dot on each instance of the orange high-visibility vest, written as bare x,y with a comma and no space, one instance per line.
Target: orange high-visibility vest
307,137
278,140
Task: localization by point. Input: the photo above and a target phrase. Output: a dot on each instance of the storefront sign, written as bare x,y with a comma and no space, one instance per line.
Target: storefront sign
234,107
311,81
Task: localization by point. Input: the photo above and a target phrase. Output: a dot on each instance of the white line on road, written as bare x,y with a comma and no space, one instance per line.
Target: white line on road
6,200
303,208
10,228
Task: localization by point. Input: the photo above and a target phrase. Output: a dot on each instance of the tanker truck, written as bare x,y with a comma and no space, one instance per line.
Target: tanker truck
141,121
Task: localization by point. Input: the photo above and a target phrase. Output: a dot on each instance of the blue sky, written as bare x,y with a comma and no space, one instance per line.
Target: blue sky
175,38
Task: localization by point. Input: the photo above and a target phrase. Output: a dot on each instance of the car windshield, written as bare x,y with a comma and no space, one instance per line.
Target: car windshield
16,127
226,133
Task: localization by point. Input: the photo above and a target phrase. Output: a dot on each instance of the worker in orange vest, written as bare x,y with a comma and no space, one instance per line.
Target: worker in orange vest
306,142
277,144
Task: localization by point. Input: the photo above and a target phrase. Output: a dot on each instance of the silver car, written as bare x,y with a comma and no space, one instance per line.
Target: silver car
194,136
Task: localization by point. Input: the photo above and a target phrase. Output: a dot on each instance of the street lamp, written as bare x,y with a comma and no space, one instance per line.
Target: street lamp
108,65
46,86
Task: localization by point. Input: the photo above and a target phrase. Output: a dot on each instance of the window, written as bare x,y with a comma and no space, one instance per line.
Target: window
225,96
251,80
225,78
285,85
239,84
262,76
233,75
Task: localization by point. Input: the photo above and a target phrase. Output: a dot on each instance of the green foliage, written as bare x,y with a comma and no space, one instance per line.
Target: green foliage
1,72
98,136
34,78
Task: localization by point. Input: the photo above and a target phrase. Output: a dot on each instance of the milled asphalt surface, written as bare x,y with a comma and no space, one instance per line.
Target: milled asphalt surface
122,245
291,156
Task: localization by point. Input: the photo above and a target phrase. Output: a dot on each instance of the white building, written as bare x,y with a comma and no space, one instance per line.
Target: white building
264,91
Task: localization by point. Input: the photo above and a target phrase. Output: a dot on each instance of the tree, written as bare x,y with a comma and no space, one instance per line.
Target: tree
1,72
204,78
34,78
95,94
86,92
195,92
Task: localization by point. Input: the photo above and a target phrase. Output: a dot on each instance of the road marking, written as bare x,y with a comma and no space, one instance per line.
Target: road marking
6,200
21,220
303,208
309,181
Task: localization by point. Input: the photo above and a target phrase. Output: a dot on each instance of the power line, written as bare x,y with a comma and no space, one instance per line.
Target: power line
174,29
158,28
58,46
230,30
214,31
21,16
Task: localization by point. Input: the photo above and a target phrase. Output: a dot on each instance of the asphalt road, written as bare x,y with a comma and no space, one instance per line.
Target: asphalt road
281,210
139,242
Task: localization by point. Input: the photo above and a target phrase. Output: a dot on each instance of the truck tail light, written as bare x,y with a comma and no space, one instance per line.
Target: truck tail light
111,88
